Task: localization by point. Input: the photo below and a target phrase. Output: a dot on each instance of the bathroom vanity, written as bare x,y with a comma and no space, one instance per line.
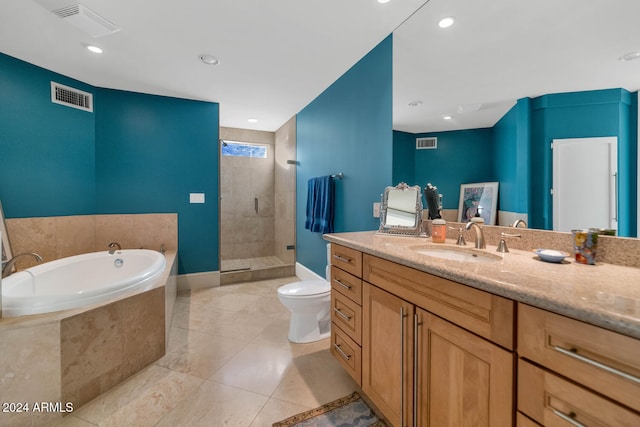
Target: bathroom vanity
501,340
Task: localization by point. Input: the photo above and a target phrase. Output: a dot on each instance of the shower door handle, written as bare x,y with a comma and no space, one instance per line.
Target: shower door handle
255,204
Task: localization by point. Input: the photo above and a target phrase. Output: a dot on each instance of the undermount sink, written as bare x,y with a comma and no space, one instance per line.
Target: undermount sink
455,253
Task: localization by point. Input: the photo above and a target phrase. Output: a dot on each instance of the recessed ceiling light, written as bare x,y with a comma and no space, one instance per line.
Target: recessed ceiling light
415,103
208,59
447,117
446,22
383,1
92,48
630,56
252,120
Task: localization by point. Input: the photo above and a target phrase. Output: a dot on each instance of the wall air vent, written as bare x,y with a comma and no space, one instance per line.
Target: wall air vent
430,143
65,95
87,20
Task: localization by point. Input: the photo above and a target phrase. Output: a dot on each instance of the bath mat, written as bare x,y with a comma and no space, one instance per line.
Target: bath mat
349,411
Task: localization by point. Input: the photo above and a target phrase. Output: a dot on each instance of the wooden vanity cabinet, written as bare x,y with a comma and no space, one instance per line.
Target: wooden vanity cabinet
346,309
422,370
571,372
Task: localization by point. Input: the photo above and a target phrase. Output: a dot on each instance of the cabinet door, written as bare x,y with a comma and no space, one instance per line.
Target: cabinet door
387,343
462,379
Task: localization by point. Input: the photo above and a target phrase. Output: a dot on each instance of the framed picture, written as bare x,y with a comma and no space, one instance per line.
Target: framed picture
6,247
478,198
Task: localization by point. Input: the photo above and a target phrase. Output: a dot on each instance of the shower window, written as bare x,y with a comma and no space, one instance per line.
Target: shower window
244,149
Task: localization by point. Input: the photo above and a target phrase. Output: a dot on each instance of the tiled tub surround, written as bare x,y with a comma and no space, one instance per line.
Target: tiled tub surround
63,236
605,294
76,355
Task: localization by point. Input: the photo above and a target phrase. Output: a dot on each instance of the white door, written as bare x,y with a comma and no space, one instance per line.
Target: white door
585,174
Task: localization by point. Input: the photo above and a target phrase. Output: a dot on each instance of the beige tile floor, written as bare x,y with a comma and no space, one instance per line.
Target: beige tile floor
228,363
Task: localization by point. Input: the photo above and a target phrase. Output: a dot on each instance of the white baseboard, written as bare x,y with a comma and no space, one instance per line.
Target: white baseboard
193,281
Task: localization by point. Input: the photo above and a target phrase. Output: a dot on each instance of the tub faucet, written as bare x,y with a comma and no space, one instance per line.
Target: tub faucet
480,243
113,247
8,265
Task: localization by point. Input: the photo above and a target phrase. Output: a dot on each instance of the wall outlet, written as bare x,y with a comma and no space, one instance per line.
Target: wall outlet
376,209
196,197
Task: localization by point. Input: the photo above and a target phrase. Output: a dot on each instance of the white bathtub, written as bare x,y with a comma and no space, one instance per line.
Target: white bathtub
79,281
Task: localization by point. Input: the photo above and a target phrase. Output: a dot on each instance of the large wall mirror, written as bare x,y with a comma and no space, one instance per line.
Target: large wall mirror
468,77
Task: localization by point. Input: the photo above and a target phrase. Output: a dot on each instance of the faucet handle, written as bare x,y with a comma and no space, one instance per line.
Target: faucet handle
460,241
502,246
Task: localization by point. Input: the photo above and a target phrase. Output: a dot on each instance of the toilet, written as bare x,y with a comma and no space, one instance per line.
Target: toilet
309,302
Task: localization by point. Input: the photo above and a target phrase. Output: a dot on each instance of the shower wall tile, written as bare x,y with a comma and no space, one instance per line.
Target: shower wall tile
285,189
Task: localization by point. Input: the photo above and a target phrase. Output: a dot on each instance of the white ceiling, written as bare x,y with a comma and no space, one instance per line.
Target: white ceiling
278,55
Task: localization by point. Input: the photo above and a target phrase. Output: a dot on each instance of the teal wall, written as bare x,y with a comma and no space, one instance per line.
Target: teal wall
151,152
46,150
462,157
135,154
512,142
347,128
404,148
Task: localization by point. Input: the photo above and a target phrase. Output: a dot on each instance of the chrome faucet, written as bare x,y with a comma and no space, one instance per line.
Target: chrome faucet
113,247
8,265
517,222
480,243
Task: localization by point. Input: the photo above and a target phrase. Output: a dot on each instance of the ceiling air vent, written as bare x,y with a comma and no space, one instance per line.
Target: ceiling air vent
430,143
87,20
65,95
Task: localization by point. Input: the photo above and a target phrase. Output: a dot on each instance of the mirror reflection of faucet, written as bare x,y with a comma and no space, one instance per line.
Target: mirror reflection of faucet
517,222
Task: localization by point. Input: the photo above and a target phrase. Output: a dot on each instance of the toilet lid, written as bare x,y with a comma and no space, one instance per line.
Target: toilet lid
305,288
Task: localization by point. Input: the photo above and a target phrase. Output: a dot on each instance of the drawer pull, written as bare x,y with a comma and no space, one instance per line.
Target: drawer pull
341,314
568,418
573,353
344,285
343,259
342,353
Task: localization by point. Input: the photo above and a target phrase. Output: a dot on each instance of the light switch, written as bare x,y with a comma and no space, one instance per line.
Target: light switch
196,197
376,209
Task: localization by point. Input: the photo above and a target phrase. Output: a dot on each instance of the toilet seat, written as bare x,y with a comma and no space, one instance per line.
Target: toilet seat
306,288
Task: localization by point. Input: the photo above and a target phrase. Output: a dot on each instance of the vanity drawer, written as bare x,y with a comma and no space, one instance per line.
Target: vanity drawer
346,284
483,313
349,260
348,315
602,360
348,353
551,400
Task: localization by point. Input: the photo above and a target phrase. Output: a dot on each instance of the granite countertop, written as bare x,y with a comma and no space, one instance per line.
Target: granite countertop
603,294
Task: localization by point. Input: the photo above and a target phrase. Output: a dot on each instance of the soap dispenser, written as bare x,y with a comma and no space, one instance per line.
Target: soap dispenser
438,230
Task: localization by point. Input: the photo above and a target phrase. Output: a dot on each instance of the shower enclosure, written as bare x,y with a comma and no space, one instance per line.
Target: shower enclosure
256,205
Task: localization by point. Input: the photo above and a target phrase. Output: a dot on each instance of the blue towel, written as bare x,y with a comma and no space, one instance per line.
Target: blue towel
320,204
